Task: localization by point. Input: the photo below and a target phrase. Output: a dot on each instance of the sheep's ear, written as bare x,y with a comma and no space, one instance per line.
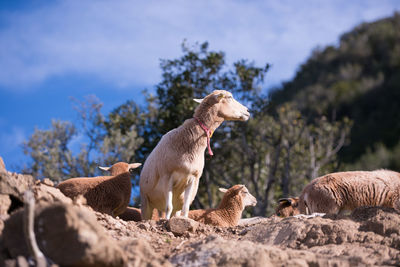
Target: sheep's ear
198,100
223,190
134,165
104,168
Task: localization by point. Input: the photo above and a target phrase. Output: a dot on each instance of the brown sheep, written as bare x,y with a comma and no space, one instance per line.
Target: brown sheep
135,214
287,207
229,210
341,192
107,194
170,176
131,214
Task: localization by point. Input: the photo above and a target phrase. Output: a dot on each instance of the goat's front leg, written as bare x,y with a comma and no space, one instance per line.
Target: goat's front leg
187,197
168,200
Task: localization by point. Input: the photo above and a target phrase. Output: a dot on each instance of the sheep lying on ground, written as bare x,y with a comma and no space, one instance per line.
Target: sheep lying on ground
344,191
287,207
134,214
170,176
107,194
131,214
229,210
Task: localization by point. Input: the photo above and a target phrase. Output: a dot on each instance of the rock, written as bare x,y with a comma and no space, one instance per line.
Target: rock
369,231
302,233
48,182
2,165
45,193
5,203
68,235
15,184
143,253
382,221
215,251
249,221
181,225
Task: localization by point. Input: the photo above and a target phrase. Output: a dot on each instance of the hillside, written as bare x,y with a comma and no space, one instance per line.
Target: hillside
360,79
72,234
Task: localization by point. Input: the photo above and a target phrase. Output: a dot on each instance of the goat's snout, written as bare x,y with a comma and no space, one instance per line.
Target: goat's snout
245,114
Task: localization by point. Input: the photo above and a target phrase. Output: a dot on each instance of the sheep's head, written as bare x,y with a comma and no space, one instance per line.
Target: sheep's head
120,167
287,207
240,192
225,106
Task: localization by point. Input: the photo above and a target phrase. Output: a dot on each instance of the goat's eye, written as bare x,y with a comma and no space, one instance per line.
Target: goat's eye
131,170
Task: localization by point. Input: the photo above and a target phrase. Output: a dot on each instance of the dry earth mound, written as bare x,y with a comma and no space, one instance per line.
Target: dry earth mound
72,234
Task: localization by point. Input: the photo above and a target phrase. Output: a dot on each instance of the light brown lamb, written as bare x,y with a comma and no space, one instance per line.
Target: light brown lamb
229,210
344,191
170,176
107,194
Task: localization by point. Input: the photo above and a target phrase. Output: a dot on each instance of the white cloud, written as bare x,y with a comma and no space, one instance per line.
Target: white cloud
11,140
121,42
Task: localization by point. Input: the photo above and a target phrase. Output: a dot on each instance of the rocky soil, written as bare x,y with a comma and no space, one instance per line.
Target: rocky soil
72,234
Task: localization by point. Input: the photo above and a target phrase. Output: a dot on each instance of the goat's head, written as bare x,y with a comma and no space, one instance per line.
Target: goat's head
239,191
287,207
225,106
120,167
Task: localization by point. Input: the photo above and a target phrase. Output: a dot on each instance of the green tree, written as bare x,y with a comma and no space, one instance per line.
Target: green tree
51,156
274,154
52,153
357,79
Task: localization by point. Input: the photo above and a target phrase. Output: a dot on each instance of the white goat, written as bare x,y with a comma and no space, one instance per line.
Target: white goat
344,191
107,194
229,210
170,176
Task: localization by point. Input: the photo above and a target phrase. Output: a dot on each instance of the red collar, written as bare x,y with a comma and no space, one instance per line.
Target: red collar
209,134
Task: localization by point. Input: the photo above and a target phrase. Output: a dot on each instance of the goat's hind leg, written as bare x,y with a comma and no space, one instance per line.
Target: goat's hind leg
145,208
168,200
187,198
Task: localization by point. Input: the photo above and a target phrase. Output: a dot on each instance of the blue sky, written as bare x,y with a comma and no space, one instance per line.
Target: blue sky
51,51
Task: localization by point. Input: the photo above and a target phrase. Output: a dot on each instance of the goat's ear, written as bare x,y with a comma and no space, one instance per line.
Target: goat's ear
223,190
198,100
219,96
104,168
285,200
134,165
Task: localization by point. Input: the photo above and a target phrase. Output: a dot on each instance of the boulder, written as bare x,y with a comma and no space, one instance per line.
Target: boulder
2,165
5,203
144,254
181,225
368,231
68,235
215,251
47,193
15,184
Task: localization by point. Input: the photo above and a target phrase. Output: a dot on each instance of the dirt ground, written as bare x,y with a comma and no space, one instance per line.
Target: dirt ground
72,234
